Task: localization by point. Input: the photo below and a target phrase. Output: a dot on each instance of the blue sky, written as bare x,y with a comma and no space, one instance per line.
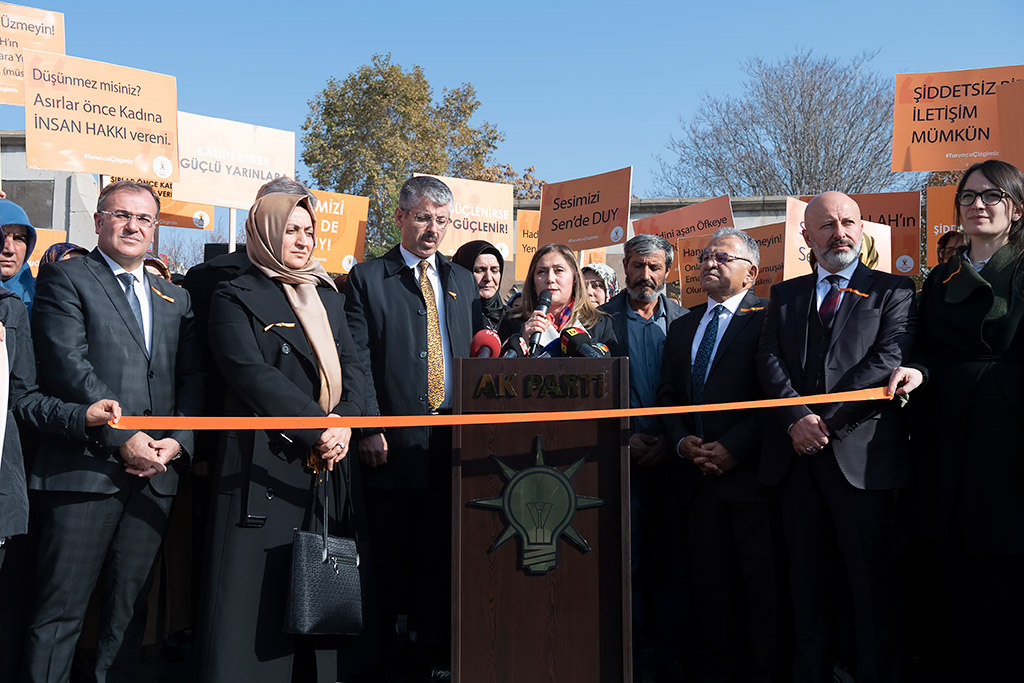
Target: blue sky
577,87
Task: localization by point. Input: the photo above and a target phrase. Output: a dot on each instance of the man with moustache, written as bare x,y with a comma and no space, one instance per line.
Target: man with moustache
641,315
736,577
842,328
411,312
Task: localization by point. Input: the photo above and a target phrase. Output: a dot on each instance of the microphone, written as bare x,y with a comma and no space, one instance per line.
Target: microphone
515,347
543,304
485,344
576,342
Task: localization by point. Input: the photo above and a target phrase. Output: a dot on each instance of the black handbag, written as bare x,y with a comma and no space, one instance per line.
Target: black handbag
325,596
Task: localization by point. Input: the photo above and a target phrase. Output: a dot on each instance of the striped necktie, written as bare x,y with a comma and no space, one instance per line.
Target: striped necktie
435,355
830,303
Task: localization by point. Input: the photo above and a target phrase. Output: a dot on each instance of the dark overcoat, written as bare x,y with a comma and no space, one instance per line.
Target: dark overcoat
263,489
968,430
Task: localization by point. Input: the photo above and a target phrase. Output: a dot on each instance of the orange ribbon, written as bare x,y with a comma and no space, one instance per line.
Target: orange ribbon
279,423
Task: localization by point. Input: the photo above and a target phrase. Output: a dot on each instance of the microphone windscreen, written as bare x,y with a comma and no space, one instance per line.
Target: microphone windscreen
573,338
485,344
514,347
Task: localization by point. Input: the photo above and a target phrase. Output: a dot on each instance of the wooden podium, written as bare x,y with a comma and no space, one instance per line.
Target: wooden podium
537,607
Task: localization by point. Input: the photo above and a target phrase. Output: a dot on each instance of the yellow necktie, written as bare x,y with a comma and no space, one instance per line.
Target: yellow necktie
435,356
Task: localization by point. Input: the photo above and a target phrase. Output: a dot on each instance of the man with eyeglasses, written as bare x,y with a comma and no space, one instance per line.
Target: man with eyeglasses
735,537
641,315
105,328
411,312
19,241
840,465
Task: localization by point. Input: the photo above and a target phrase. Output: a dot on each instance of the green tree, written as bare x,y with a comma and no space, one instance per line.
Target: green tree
369,133
525,186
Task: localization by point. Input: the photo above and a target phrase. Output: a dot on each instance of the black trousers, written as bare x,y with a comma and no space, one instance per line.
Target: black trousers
411,542
824,516
81,536
738,577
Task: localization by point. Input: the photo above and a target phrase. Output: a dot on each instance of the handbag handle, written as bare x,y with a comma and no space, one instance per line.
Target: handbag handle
348,507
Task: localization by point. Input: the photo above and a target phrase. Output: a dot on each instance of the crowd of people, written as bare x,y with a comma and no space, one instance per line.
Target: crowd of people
767,545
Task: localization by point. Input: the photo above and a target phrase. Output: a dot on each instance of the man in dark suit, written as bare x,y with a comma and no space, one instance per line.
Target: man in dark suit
411,312
102,504
735,537
641,315
843,327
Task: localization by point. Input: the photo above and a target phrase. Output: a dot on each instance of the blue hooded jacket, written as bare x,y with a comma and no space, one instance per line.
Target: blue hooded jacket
21,283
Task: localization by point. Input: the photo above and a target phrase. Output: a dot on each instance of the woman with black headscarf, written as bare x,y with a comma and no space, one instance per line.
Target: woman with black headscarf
485,262
279,335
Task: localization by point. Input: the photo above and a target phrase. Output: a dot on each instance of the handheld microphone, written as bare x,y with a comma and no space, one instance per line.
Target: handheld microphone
576,342
485,344
515,347
543,304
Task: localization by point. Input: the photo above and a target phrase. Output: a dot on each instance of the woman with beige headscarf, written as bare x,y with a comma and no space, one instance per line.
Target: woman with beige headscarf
279,335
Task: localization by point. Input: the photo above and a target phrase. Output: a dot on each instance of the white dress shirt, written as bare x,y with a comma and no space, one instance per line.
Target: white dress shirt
844,281
142,292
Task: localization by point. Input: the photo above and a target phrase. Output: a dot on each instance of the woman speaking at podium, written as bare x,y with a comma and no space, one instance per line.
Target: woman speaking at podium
554,269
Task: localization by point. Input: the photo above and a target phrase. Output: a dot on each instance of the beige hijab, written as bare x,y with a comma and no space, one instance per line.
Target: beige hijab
264,237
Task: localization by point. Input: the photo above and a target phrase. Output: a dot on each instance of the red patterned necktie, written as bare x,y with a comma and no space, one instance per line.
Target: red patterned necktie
827,312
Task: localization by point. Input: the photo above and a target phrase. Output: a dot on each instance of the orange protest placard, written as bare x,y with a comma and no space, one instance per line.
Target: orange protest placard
224,163
697,219
527,227
771,251
25,28
340,229
586,212
901,211
948,120
593,256
941,207
87,116
163,189
175,214
90,117
480,211
44,240
1010,104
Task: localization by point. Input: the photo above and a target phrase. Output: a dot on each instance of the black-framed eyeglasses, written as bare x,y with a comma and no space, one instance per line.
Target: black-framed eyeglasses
427,219
988,197
144,220
720,257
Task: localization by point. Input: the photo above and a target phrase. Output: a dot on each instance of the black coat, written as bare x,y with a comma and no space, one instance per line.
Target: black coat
259,476
968,429
89,347
872,333
731,377
33,411
386,313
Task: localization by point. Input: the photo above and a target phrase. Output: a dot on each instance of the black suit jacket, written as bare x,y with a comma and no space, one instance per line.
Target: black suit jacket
387,316
872,333
88,347
731,377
